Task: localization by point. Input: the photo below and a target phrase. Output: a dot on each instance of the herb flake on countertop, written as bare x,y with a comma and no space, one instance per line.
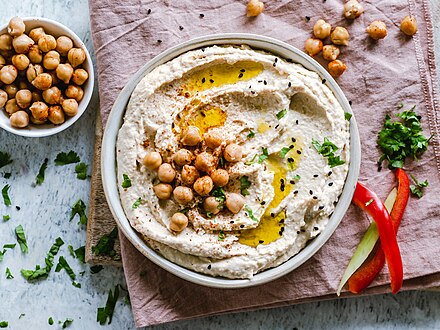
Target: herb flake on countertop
127,182
8,273
63,264
40,176
66,323
5,195
281,114
244,185
104,313
6,217
327,149
81,171
80,254
4,324
106,244
5,159
50,321
417,188
67,158
79,208
21,238
250,213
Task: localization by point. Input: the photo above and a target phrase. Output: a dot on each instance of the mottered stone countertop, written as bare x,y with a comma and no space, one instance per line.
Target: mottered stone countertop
44,214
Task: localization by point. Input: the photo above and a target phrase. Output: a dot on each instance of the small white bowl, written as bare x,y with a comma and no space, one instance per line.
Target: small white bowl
56,29
115,120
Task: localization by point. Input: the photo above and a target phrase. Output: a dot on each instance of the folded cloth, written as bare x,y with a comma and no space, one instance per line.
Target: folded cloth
380,74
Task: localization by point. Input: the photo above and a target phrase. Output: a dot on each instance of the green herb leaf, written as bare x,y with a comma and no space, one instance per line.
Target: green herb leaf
209,215
50,321
5,159
296,177
21,239
400,105
335,161
244,184
62,263
284,151
70,158
127,181
281,114
40,176
80,253
219,194
264,156
136,203
96,269
106,244
417,188
9,246
221,236
4,324
72,253
81,171
347,115
7,175
250,213
327,149
5,195
251,134
6,217
66,323
184,210
79,208
76,284
9,275
104,313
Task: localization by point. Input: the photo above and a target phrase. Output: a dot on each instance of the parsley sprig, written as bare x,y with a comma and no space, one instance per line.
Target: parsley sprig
127,182
417,188
327,149
250,213
79,208
104,313
261,158
5,195
81,171
40,176
21,238
67,158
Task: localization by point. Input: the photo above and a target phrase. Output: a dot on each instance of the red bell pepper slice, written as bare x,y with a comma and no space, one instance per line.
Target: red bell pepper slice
363,277
368,201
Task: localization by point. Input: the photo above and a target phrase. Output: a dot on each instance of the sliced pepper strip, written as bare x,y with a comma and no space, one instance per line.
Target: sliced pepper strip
363,277
368,201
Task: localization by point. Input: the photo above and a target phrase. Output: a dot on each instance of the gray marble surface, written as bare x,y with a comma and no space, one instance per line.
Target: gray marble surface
45,210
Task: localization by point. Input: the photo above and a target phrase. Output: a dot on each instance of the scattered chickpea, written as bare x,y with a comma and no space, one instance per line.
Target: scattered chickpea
70,107
183,195
37,121
203,185
43,81
254,8
191,136
3,98
36,34
213,139
220,177
51,60
353,9
16,26
322,29
233,153
330,52
340,36
336,68
313,46
11,90
76,56
52,95
40,111
179,222
163,190
183,157
23,98
212,205
74,92
35,55
47,43
409,25
64,72
33,71
64,44
22,44
2,62
5,42
377,30
152,160
56,115
189,175
8,74
19,119
234,202
80,76
205,162
20,61
166,173
12,106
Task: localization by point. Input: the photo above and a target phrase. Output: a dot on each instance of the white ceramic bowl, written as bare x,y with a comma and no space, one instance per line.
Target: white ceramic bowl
56,29
115,120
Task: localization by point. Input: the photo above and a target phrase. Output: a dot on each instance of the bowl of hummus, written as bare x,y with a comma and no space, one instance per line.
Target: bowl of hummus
229,160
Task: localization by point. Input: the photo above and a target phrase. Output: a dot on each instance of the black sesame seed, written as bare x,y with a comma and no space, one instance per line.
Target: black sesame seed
232,221
278,125
159,41
330,184
203,80
314,197
298,232
297,122
321,207
290,160
253,92
291,146
149,11
203,114
265,82
303,230
316,228
246,214
292,182
308,18
280,233
241,226
315,175
282,180
324,81
299,152
290,84
202,49
18,208
240,75
250,87
281,221
349,102
211,81
272,215
289,60
293,140
202,15
261,241
311,192
274,64
329,173
295,192
282,228
263,203
276,59
209,266
242,70
181,28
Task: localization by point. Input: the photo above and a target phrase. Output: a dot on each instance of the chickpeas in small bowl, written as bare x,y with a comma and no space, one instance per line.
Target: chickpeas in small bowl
46,77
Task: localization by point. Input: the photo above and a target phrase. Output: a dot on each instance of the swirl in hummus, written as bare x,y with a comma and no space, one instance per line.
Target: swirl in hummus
286,179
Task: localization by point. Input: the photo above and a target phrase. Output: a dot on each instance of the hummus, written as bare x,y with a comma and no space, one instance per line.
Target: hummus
279,113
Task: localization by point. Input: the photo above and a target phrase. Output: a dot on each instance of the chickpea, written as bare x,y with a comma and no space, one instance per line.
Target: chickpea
191,136
336,68
80,76
43,81
322,29
22,44
51,60
52,95
183,157
234,202
189,175
8,74
37,121
12,106
35,54
233,153
40,111
203,185
2,62
46,43
353,9
213,139
11,90
330,52
212,205
20,61
74,92
64,72
313,46
409,25
76,56
340,36
183,195
16,26
64,44
3,98
179,222
56,115
5,42
37,96
23,98
163,190
19,119
205,162
70,107
254,8
377,30
220,177
36,34
33,71
152,160
166,173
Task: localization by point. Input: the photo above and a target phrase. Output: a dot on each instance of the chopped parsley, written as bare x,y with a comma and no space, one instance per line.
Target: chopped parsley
401,139
72,253
251,134
297,177
50,321
209,215
184,210
264,156
81,171
8,273
66,323
80,253
70,158
136,203
96,269
220,195
284,151
221,161
79,208
63,264
5,195
7,175
40,176
347,115
104,313
221,235
21,238
244,184
106,244
6,217
417,188
5,159
327,149
281,114
6,246
127,182
250,213
4,324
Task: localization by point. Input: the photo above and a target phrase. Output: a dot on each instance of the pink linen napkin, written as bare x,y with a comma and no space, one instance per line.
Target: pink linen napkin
380,74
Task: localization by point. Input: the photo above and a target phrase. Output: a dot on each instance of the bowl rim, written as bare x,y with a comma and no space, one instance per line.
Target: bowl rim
108,160
43,131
